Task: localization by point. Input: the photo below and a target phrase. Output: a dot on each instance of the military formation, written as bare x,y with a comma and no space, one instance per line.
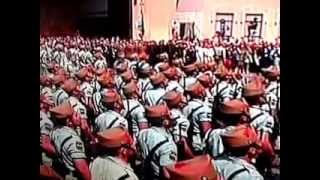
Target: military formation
114,109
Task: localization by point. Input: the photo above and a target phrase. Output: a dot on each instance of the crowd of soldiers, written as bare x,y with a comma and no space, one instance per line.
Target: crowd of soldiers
114,109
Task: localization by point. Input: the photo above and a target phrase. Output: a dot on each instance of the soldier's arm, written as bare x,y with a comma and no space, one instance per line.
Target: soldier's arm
82,167
47,146
86,129
167,154
77,153
188,154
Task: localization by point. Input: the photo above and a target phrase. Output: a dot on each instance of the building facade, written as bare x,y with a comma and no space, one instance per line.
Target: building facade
164,19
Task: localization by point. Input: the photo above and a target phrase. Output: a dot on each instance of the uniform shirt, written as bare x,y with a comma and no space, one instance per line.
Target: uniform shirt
220,51
235,90
133,66
213,140
57,57
136,111
97,106
60,96
210,54
88,57
119,61
78,107
100,64
273,101
165,155
197,111
44,56
180,130
119,83
82,58
273,94
209,98
62,60
46,125
111,168
49,54
88,91
187,81
261,120
70,67
237,168
73,54
174,86
68,145
47,92
144,84
156,67
153,97
199,54
222,91
110,119
96,85
273,87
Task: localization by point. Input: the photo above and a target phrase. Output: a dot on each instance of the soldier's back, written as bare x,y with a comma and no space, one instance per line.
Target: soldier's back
236,169
111,168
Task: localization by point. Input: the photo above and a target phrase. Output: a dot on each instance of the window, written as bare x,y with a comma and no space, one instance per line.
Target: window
224,22
253,25
187,30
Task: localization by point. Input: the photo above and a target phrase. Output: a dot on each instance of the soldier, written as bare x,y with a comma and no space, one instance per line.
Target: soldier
199,115
176,101
126,77
110,118
46,86
207,82
121,68
229,115
72,88
156,144
273,89
260,119
153,96
221,90
59,96
106,81
88,56
47,173
198,168
100,62
46,126
236,86
59,56
173,76
121,59
161,66
133,109
82,57
67,145
117,150
191,72
143,72
241,148
88,84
